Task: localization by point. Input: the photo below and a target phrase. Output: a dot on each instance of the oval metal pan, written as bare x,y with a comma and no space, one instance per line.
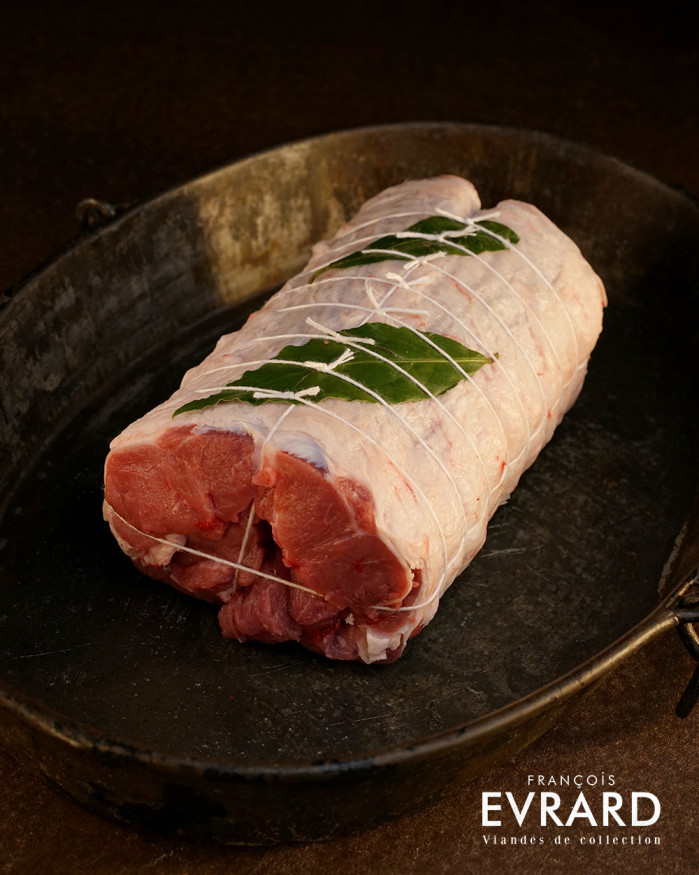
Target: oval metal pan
122,691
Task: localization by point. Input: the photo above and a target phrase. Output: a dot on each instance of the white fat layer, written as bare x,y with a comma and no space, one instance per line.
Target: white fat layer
161,554
303,446
376,645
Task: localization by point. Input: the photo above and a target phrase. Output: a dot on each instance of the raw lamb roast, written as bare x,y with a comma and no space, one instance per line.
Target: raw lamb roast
329,469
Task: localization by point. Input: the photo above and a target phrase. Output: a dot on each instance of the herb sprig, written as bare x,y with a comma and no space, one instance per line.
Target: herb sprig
374,362
436,234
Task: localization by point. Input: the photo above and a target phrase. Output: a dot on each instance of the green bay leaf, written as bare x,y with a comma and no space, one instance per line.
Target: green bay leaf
427,237
375,362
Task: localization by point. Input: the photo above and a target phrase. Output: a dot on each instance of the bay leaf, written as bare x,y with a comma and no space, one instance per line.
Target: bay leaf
375,362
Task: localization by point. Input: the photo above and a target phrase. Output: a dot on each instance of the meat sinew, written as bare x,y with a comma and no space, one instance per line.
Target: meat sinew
385,402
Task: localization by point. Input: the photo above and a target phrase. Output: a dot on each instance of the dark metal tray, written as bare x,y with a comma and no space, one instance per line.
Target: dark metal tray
123,692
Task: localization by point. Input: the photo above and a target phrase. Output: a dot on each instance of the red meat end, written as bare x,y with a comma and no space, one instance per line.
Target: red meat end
307,529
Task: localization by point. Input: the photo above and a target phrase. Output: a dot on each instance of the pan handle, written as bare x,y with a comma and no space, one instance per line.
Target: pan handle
686,611
93,213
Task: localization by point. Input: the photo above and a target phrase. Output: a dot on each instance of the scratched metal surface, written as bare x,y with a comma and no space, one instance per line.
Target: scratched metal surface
572,562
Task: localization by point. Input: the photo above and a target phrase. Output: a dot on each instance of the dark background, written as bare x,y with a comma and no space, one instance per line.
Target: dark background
122,100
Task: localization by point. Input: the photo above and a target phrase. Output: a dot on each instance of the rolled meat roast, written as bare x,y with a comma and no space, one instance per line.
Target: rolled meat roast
327,472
